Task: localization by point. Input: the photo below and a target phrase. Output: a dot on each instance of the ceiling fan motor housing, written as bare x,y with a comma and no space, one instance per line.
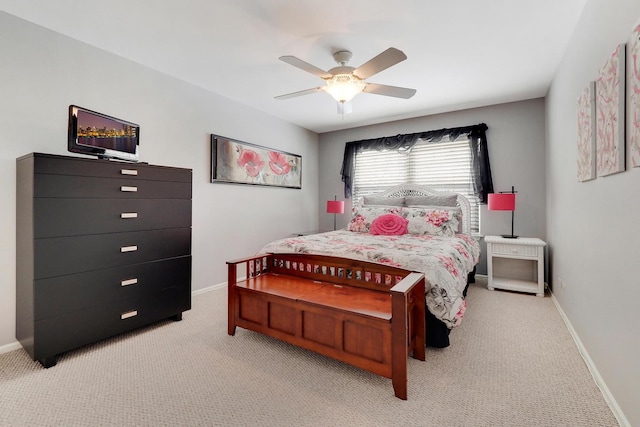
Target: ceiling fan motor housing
340,70
342,56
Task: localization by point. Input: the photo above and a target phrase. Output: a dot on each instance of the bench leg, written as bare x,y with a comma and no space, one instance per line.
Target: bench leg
399,345
231,311
232,298
231,324
399,380
418,312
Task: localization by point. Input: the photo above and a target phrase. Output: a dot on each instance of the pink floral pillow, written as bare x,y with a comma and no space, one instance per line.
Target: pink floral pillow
438,222
389,225
362,217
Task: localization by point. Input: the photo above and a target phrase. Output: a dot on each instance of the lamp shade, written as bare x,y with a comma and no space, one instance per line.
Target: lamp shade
502,202
335,206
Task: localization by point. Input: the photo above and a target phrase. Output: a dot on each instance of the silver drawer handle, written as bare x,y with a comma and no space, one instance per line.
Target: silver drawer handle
128,189
129,314
129,282
129,215
128,172
129,248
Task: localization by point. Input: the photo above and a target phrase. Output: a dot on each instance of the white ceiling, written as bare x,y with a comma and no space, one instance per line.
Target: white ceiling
461,53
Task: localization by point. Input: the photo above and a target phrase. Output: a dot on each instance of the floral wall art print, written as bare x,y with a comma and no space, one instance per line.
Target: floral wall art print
633,100
239,162
587,133
610,117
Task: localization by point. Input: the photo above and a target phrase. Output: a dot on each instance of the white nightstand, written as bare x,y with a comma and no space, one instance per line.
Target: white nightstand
515,264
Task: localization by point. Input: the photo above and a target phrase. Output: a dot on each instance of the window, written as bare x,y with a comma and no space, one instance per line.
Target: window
445,165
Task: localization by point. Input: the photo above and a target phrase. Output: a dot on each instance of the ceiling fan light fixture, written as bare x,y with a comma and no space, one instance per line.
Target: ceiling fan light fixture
343,87
344,82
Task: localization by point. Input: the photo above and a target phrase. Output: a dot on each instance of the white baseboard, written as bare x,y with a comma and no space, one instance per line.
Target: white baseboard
209,289
10,347
481,279
606,393
16,345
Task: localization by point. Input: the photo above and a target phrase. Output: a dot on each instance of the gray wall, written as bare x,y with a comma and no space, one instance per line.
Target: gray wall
516,149
42,73
594,227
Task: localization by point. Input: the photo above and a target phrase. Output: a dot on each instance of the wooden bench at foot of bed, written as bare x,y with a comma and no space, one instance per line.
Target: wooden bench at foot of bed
368,315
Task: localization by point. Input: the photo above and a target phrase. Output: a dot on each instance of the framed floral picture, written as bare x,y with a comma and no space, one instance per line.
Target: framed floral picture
633,97
237,162
587,133
610,113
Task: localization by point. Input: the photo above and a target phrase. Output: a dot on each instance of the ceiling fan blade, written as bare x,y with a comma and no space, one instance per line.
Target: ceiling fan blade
300,93
386,90
381,62
305,66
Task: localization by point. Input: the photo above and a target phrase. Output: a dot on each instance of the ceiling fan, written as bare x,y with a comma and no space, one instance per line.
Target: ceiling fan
344,82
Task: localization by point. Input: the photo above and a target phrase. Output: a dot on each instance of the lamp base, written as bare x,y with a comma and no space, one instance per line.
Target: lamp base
508,236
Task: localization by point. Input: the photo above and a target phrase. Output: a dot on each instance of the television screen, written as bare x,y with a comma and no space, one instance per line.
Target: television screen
101,135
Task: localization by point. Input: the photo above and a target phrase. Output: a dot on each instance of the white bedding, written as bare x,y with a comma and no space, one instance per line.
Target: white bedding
445,261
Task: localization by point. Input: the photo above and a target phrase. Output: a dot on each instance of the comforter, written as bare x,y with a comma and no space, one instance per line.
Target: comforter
445,261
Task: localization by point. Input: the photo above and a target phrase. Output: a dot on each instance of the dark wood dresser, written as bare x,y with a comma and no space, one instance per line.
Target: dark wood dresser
102,247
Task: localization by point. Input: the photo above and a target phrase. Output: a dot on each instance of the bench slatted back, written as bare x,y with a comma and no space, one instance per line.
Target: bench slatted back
324,268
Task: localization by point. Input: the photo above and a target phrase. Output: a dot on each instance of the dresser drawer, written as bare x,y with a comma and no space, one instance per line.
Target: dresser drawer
66,186
61,333
59,256
74,217
57,295
517,250
77,166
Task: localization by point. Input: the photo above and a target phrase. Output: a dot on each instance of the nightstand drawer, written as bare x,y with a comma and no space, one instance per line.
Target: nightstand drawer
517,250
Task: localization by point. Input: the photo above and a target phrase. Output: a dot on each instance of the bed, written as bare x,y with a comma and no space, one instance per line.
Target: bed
413,227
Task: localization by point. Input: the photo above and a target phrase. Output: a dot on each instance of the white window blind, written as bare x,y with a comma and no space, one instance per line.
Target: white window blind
444,165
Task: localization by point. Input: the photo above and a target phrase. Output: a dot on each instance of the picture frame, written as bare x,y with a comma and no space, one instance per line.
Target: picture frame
239,162
586,158
610,113
633,97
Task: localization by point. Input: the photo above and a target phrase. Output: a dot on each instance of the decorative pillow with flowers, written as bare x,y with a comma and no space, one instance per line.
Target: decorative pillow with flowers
362,217
438,222
389,225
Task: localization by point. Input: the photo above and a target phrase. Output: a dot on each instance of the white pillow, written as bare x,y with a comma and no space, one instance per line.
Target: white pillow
382,201
444,199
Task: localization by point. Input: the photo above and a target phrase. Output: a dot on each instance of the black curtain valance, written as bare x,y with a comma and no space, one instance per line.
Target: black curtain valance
483,184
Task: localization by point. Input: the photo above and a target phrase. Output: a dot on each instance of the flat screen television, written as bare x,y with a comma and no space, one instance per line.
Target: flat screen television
103,136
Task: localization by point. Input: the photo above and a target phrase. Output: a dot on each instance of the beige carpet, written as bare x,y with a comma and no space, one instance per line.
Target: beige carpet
512,362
